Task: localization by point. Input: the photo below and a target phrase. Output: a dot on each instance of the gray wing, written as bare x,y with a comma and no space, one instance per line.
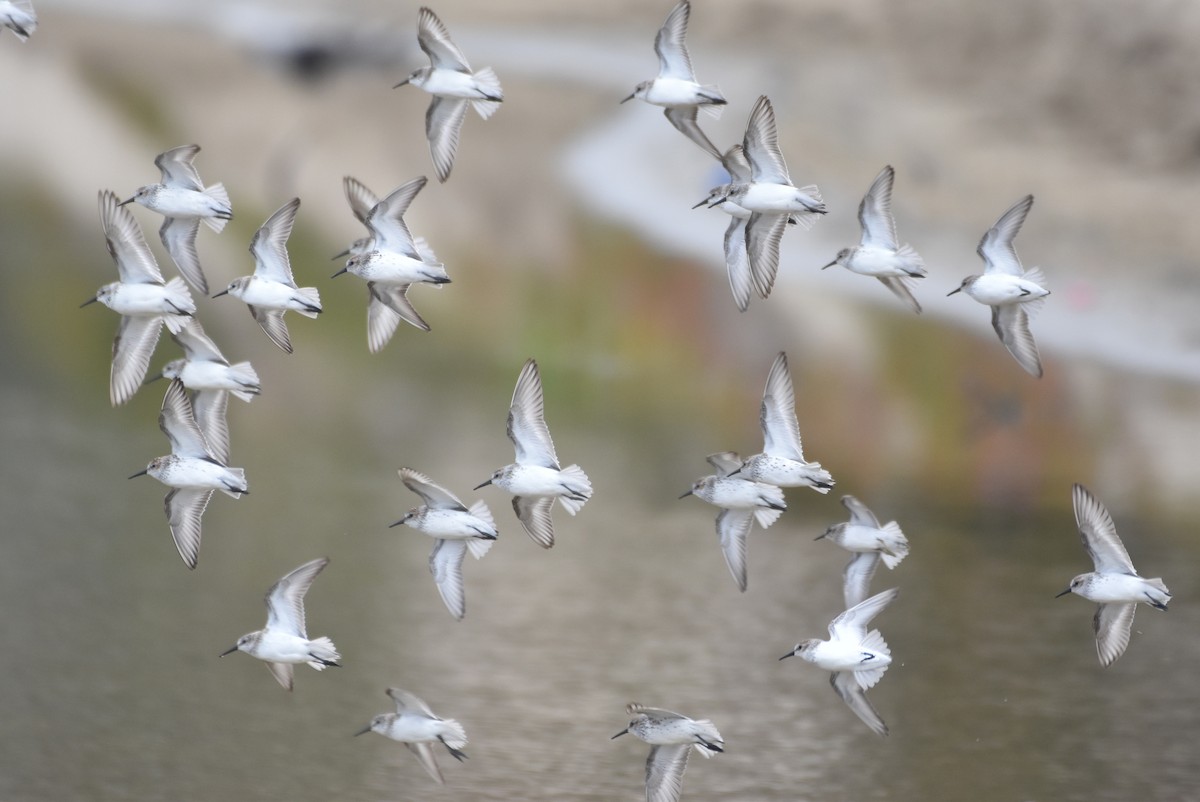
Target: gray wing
443,122
196,345
737,262
901,287
733,526
285,599
445,563
859,513
777,415
269,245
434,495
851,626
684,120
126,245
875,212
527,423
132,348
434,39
761,145
361,199
385,220
846,686
763,235
856,578
178,235
1113,623
424,752
996,248
664,772
406,702
734,162
209,407
534,514
1099,534
272,323
726,463
387,305
178,423
671,46
283,673
176,167
1011,323
184,508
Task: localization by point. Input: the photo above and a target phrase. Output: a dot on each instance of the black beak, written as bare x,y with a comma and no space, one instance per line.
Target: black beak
402,83
222,292
701,203
1064,593
482,484
956,289
820,536
786,656
363,731
685,493
230,650
831,264
143,472
631,97
343,270
619,734
396,524
129,200
88,301
153,378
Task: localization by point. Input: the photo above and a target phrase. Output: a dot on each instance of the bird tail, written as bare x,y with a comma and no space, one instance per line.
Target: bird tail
875,642
312,301
479,546
217,193
895,546
1162,597
766,516
580,488
243,373
911,261
490,85
181,298
712,740
453,735
325,652
240,490
715,106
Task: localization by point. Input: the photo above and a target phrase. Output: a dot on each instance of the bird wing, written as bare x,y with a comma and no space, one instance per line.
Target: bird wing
387,305
126,245
272,323
196,345
443,121
737,262
763,235
269,245
178,423
761,145
684,120
732,527
1011,322
735,163
534,514
664,772
385,220
1113,623
671,46
445,563
1099,534
132,348
777,416
184,508
285,599
856,578
527,423
855,697
875,212
434,39
361,199
726,463
859,514
851,626
176,167
406,702
178,235
283,673
209,407
434,495
901,287
424,752
996,248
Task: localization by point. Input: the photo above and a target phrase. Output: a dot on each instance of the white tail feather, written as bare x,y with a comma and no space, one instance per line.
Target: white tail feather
241,477
574,477
243,373
766,516
489,83
456,738
895,545
875,642
217,192
312,298
325,650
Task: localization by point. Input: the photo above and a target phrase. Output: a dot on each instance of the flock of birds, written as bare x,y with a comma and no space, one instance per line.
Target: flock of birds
762,202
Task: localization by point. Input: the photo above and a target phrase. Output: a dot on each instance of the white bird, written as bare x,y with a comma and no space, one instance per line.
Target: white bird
857,658
1114,584
390,260
672,738
676,87
272,290
453,85
19,17
535,478
869,542
456,529
416,726
782,462
1011,291
284,642
191,471
879,252
141,297
183,201
742,501
211,379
